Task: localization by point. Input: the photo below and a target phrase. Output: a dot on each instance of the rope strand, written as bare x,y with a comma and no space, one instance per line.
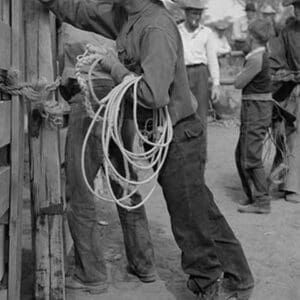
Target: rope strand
111,114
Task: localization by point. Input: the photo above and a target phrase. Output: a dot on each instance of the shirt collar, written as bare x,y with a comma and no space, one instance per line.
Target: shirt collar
144,10
195,32
255,51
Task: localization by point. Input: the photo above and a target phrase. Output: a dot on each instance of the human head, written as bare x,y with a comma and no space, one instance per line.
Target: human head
221,26
268,12
296,4
250,11
193,11
260,31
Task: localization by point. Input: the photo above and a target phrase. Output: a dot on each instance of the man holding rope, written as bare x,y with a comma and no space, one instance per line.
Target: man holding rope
149,44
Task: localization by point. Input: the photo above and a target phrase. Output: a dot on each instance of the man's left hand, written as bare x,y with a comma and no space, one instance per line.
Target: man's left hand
109,60
215,93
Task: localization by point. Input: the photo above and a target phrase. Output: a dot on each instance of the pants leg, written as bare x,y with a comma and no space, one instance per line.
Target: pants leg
198,82
89,261
229,250
82,218
255,121
292,182
207,243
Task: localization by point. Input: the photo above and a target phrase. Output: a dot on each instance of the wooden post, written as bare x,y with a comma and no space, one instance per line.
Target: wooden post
45,162
17,160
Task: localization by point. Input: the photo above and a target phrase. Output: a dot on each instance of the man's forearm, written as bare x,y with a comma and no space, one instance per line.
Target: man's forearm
86,15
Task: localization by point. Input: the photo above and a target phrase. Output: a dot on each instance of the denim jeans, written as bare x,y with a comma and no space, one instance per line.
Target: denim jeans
89,261
256,117
208,245
198,76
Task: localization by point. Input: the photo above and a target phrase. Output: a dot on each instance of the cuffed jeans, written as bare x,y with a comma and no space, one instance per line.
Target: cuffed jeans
256,117
208,245
89,261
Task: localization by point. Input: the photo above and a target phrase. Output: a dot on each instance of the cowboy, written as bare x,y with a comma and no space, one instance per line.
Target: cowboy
285,67
149,44
240,28
221,40
269,13
200,55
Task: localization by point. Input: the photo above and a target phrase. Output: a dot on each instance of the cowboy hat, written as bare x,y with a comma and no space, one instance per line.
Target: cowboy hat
194,4
267,9
289,2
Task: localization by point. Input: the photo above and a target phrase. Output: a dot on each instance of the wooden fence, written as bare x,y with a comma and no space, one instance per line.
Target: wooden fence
11,152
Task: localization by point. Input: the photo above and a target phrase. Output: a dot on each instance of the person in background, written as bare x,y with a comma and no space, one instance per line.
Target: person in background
149,45
240,28
222,44
269,13
256,117
200,56
285,69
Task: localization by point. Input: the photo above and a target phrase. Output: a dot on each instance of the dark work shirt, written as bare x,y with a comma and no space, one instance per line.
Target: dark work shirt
148,44
285,55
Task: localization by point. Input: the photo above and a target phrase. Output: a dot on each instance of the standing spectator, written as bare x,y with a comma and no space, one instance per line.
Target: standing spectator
222,44
200,56
256,117
269,13
285,67
240,28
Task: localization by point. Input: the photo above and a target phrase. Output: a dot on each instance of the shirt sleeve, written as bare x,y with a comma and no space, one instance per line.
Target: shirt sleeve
212,58
158,61
277,54
97,16
252,67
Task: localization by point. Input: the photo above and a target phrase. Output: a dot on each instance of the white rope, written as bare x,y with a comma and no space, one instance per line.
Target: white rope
110,113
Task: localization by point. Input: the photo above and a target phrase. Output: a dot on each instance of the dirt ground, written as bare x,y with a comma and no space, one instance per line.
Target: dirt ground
271,242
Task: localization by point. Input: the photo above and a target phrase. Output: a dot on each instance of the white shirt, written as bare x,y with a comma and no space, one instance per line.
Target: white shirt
199,48
222,44
240,29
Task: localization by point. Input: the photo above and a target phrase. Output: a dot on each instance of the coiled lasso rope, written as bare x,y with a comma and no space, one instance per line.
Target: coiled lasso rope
111,113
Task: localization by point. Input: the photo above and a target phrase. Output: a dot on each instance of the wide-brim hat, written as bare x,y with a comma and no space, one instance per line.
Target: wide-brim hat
221,25
268,9
193,4
289,2
250,7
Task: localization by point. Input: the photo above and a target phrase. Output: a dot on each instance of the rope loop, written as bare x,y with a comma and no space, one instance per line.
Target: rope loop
146,163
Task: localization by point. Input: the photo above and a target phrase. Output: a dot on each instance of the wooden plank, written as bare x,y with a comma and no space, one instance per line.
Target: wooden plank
5,123
3,294
5,35
45,153
6,14
17,164
4,189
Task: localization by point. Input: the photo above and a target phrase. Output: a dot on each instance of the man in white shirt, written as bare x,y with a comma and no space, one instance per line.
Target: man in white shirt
240,27
222,43
200,56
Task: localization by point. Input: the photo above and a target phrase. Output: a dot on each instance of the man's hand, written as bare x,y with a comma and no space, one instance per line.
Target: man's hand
109,60
215,93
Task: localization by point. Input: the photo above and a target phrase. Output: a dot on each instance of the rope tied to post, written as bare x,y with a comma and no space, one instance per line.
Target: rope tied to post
146,163
39,92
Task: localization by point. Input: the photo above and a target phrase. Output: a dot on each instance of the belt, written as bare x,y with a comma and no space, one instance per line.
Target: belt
195,65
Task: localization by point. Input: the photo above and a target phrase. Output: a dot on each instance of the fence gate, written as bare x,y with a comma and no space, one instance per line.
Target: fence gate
11,152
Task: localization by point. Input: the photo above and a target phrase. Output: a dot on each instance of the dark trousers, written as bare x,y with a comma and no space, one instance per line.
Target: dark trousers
198,81
256,117
82,217
208,245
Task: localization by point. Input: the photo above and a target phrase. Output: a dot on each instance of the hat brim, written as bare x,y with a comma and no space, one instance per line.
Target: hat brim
193,7
289,2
